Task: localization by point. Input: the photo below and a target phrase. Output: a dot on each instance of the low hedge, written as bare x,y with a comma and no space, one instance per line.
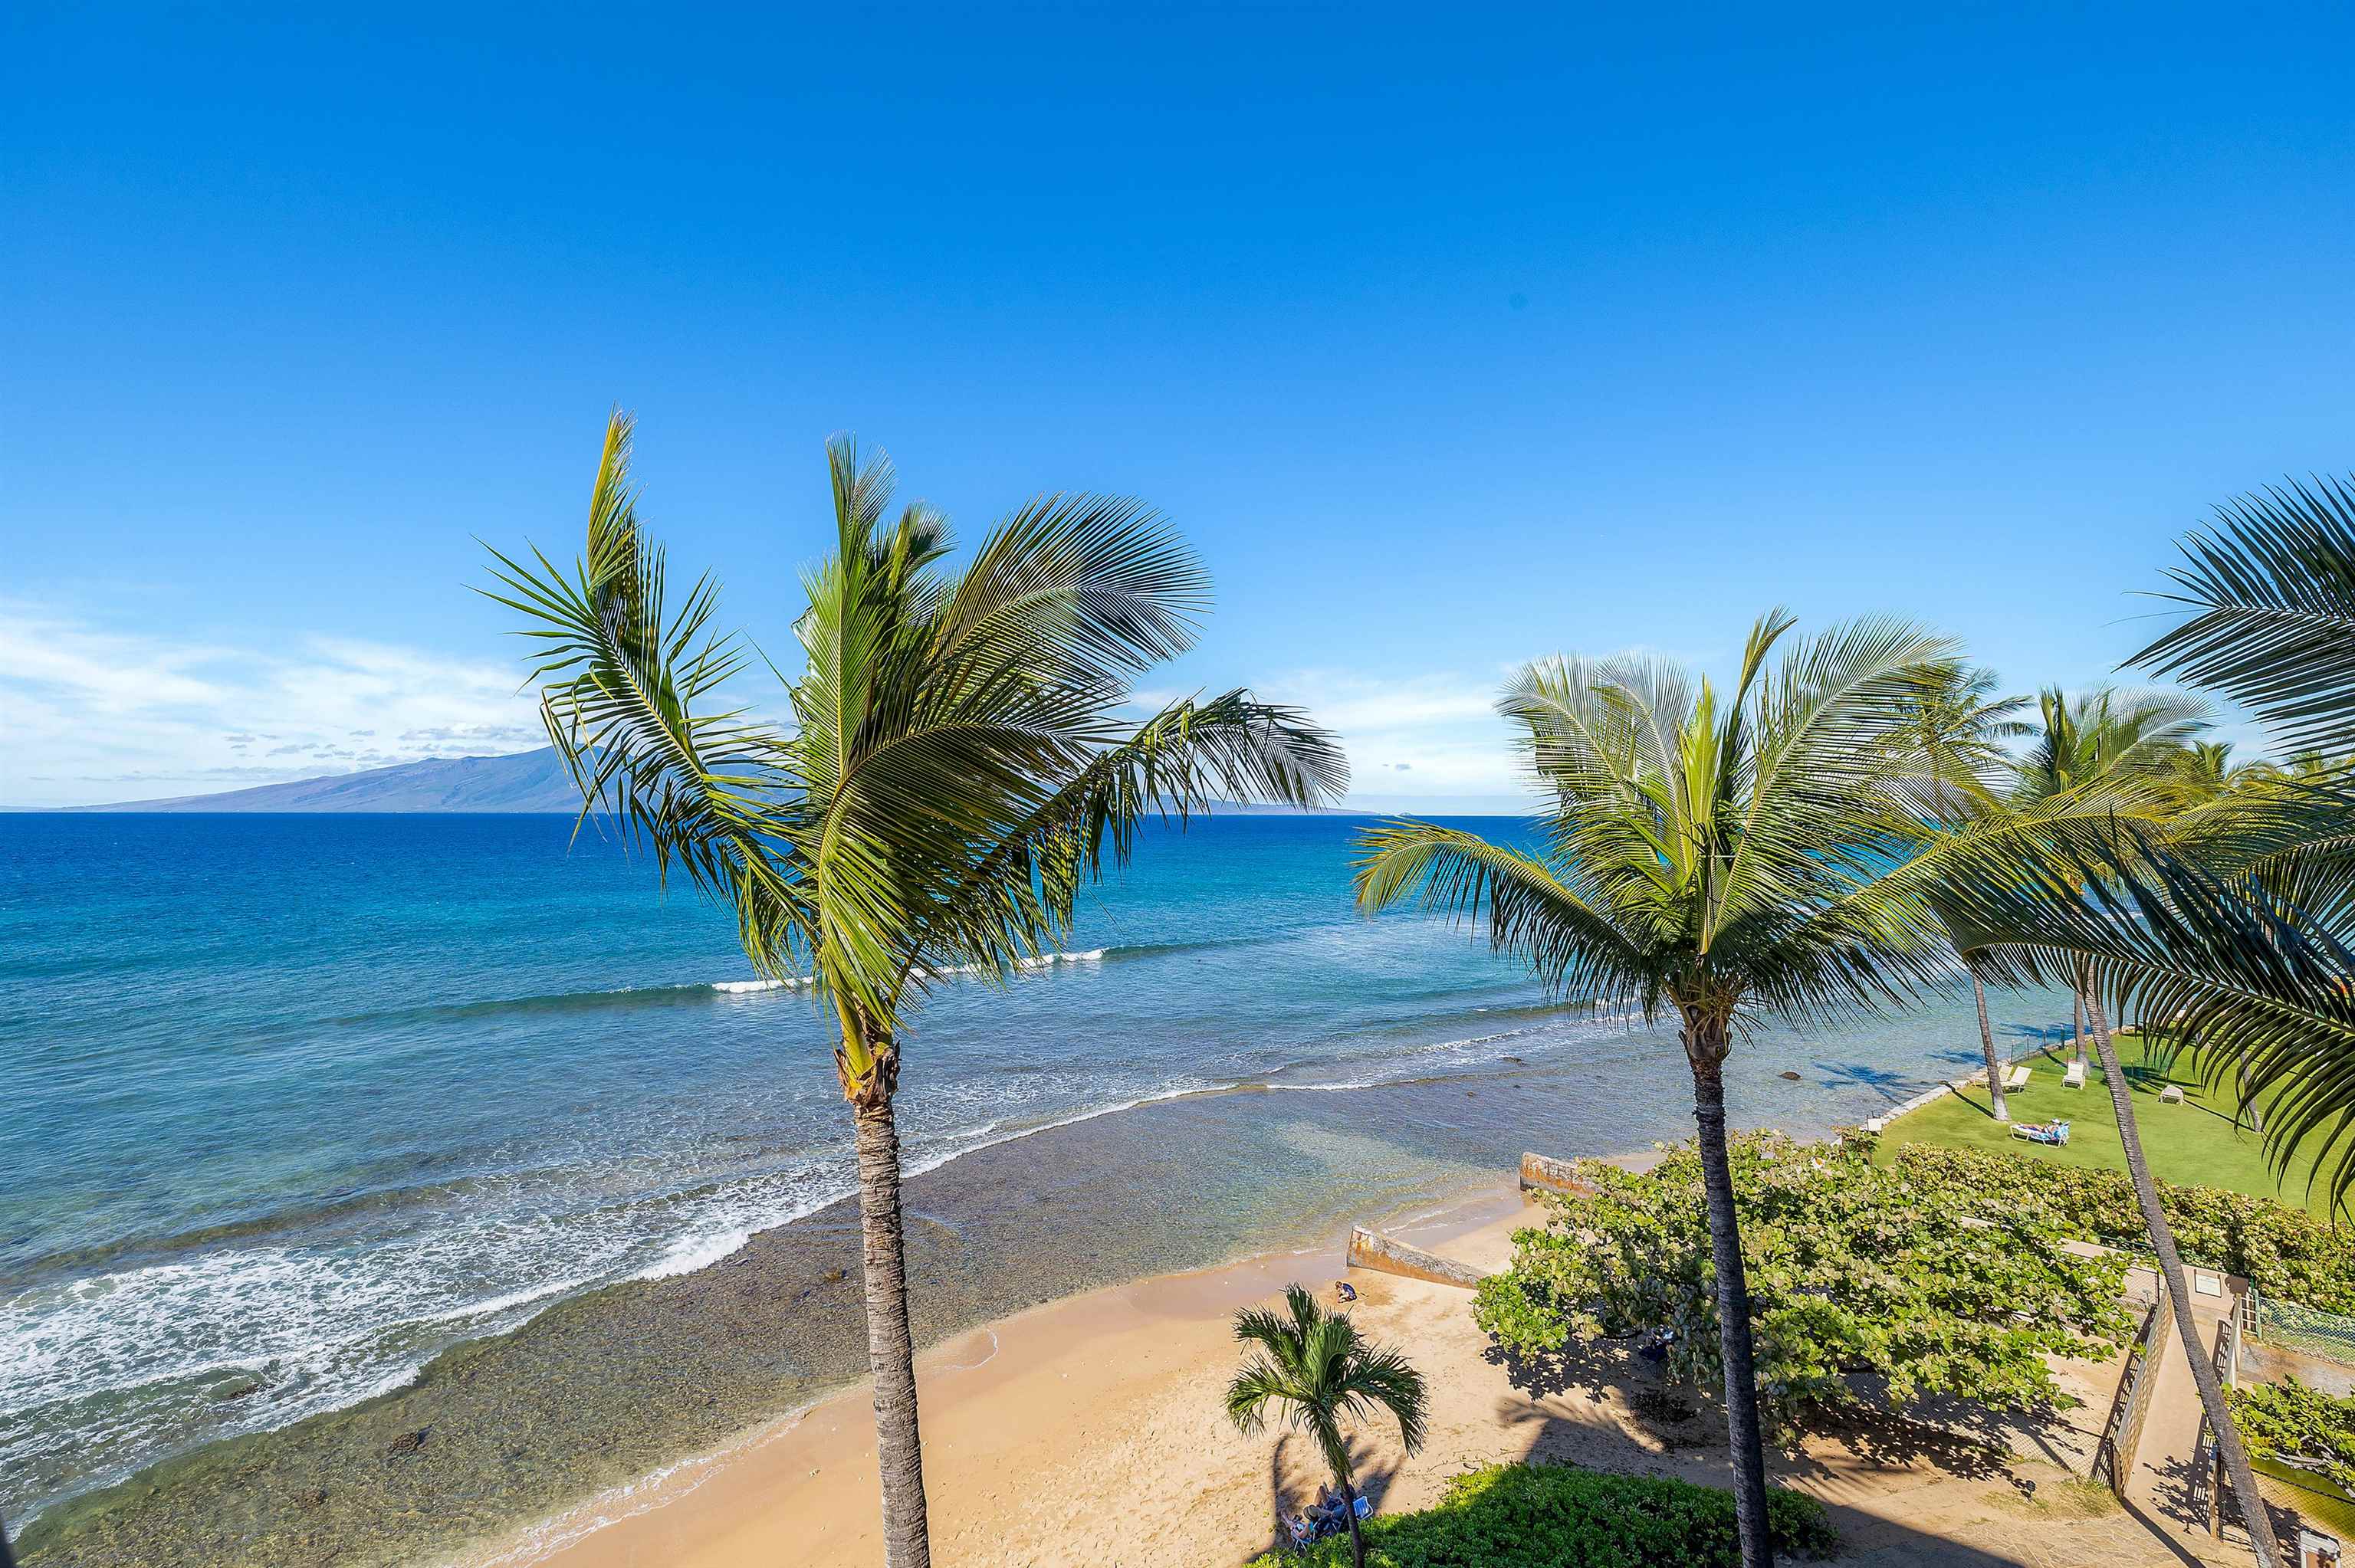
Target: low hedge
1556,1516
2291,1421
2286,1252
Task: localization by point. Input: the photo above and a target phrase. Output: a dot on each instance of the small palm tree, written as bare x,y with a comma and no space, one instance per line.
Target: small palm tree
1314,1365
956,769
1715,859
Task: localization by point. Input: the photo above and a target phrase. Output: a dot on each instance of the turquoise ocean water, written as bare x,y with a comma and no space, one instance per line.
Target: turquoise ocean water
290,1104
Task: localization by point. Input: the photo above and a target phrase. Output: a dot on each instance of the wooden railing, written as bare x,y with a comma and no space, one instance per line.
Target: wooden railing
2114,1461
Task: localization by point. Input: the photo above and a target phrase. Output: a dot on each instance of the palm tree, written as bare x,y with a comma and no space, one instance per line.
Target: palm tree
954,771
2204,771
2103,740
1712,858
2122,908
1956,725
2236,921
1314,1365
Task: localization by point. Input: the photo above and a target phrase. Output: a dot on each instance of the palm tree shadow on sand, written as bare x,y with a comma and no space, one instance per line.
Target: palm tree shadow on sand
1372,1478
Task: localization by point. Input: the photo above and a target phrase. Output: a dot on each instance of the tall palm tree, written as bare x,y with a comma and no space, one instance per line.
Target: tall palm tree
954,771
1712,858
2235,922
2124,909
1956,725
2104,739
1313,1366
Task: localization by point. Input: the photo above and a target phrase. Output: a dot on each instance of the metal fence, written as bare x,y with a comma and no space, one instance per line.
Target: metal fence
2294,1326
2303,1505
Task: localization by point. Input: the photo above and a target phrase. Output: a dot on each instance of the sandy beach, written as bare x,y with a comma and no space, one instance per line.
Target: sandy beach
1089,1430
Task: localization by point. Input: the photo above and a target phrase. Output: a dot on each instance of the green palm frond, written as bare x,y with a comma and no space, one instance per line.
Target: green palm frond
958,761
2230,927
1314,1368
2104,736
2272,586
1532,913
1821,804
1705,852
626,688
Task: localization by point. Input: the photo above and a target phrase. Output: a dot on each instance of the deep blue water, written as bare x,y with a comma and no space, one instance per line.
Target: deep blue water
292,1102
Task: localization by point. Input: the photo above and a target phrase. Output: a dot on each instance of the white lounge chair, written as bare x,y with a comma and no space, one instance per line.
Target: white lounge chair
2074,1078
2015,1080
2171,1095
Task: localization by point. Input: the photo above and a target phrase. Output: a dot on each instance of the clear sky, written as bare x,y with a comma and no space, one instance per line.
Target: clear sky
1451,337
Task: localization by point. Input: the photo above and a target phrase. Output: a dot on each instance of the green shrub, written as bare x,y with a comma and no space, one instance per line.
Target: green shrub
1853,1267
2288,1420
1548,1516
2286,1252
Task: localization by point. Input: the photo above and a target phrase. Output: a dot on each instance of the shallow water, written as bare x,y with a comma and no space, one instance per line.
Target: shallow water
299,1103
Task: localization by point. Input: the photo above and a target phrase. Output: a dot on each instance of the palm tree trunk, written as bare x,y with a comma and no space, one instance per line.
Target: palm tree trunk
2079,998
1707,1056
1987,1044
1349,1501
891,1349
2170,1267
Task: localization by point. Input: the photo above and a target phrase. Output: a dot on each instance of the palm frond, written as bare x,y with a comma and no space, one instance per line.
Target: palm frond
627,689
1820,795
1532,913
2201,944
2272,589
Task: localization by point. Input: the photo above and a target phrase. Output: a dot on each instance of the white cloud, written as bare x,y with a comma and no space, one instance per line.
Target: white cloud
1433,736
98,713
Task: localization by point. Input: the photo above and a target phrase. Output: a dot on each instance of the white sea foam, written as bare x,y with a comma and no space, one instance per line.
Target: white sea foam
794,982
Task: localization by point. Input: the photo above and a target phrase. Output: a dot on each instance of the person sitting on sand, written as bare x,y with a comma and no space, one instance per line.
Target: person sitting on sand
1296,1526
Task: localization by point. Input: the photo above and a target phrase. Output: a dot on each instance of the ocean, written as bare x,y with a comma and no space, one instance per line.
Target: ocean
295,1104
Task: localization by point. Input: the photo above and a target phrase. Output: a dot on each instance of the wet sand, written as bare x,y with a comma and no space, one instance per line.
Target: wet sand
1038,1426
1091,1431
610,1387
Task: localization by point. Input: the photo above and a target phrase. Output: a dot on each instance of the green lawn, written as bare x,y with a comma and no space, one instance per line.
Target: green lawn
2191,1144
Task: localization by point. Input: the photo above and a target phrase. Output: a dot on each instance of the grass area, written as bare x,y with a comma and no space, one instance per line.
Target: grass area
2190,1144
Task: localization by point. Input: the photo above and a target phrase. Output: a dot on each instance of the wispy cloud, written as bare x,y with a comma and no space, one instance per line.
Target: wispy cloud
95,713
1429,737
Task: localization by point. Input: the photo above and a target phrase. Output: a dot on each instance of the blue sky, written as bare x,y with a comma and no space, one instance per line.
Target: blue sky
1450,338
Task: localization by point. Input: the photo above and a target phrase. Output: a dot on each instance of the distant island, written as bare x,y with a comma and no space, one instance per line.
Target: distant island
527,781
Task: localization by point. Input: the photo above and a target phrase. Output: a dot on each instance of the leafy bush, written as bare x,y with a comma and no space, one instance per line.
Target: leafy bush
1547,1516
2288,1420
1852,1267
2286,1252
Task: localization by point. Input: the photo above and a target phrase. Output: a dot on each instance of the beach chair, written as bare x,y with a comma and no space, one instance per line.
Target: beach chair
2015,1080
2052,1132
2074,1078
2171,1095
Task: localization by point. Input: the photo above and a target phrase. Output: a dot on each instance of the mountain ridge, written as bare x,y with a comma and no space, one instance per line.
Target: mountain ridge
520,783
